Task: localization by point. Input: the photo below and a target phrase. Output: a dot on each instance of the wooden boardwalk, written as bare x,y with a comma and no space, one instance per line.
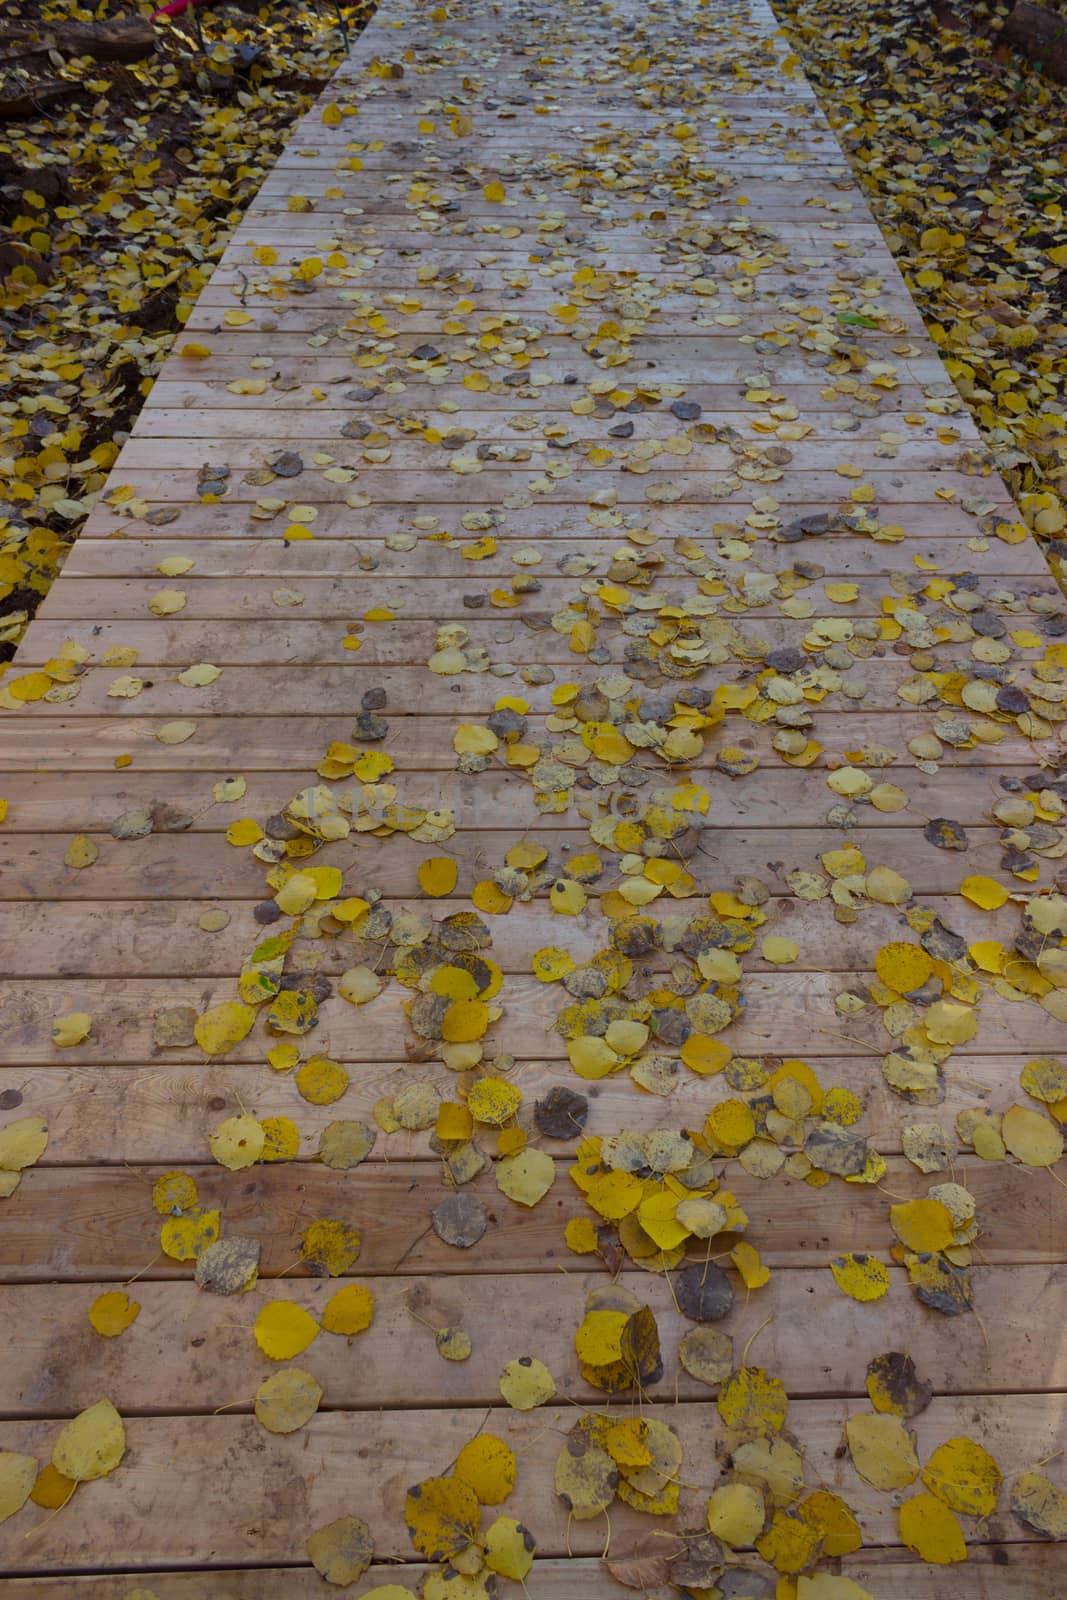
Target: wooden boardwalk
562,328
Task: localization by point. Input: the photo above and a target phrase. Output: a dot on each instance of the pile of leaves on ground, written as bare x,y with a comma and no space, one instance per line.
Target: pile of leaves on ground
959,146
128,153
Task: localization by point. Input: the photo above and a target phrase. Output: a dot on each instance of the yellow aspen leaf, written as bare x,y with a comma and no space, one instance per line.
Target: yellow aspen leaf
453,1344
567,898
861,1277
173,1193
465,1021
509,1549
749,1268
903,967
493,1101
826,1586
1040,1504
227,790
442,1517
179,732
112,1313
220,1029
551,964
438,875
965,1476
1031,1138
237,1143
470,739
592,1057
789,1544
488,1466
287,1400
321,1081
494,192
924,1226
526,1383
283,1330
985,893
52,1489
736,1514
30,687
18,1474
71,1029
615,1195
199,675
349,1311
837,1527
342,1551
947,1022
882,1450
581,1236
22,1143
730,1125
526,1177
490,899
359,985
753,1402
454,1122
184,1238
705,1055
281,1139
91,1445
330,1246
296,894
930,1529
81,852
244,832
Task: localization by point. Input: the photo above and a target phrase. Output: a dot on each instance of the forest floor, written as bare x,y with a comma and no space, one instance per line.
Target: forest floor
120,183
959,146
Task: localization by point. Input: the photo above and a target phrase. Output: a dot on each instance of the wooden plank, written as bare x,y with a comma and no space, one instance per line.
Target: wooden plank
493,485
256,556
820,458
783,367
156,1370
184,866
943,529
511,640
103,1227
226,598
161,1114
880,686
34,738
997,1572
234,1514
184,383
101,937
786,1013
89,802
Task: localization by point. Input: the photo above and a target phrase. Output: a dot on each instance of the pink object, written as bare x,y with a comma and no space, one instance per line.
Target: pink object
174,8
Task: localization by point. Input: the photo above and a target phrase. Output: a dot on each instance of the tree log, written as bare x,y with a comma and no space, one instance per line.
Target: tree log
32,102
109,41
